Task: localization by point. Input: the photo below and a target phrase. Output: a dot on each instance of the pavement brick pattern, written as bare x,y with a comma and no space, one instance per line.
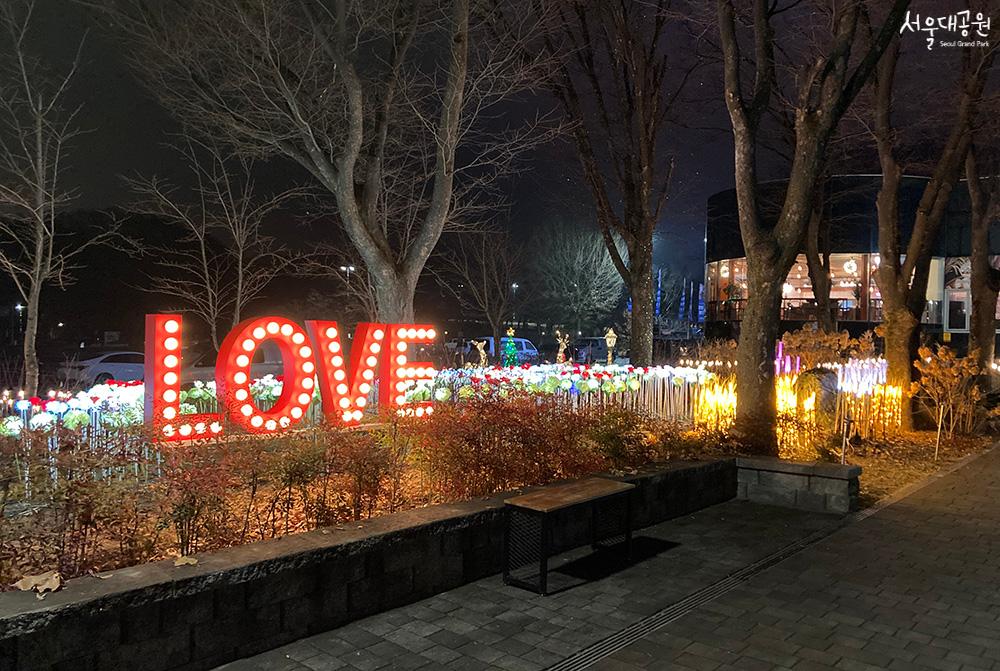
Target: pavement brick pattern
915,586
488,625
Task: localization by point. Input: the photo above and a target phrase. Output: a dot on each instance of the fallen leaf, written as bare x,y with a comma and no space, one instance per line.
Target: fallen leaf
41,583
185,561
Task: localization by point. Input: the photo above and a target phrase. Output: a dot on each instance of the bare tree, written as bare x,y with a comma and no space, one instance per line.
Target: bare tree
225,260
374,99
984,200
827,86
36,128
576,282
354,295
904,272
620,77
480,272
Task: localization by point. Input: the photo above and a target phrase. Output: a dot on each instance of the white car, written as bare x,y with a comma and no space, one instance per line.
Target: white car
127,366
266,361
106,366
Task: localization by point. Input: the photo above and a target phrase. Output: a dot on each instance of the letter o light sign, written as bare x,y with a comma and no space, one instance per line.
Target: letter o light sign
307,355
233,374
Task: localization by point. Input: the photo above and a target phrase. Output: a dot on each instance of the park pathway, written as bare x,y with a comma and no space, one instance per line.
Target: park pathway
914,586
736,586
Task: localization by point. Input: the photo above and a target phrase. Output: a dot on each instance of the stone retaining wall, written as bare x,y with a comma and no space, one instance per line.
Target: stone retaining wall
816,486
244,600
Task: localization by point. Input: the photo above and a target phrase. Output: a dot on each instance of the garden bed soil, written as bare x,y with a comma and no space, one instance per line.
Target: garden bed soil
890,465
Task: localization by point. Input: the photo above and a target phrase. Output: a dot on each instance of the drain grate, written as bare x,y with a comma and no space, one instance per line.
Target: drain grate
678,609
636,631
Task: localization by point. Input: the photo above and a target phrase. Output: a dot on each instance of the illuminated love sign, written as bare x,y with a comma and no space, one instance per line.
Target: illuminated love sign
310,357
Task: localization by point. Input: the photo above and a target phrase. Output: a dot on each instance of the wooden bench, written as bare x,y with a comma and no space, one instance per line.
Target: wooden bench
529,537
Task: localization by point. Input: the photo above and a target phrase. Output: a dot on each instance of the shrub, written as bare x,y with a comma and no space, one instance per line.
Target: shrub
492,443
816,347
948,388
625,438
192,489
359,459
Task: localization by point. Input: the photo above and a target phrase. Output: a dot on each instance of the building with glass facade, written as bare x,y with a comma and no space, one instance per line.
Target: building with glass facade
853,244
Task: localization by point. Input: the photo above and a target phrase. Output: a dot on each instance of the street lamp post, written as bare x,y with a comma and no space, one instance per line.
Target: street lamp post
514,287
348,270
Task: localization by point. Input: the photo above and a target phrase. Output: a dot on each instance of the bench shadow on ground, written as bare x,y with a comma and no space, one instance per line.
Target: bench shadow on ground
585,565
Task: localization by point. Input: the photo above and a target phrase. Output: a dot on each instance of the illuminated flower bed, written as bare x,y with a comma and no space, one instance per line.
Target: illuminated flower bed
112,404
691,393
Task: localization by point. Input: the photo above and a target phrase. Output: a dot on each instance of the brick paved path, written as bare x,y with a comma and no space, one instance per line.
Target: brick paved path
915,586
487,625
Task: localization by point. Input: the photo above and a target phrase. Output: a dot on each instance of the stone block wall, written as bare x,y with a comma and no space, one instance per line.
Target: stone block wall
245,600
816,486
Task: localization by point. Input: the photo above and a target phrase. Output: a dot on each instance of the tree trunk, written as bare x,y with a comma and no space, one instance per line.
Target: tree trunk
497,349
30,336
818,265
985,279
902,334
755,411
983,323
394,299
641,346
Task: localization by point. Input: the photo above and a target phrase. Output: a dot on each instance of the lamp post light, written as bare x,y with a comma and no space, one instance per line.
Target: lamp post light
20,317
348,270
514,287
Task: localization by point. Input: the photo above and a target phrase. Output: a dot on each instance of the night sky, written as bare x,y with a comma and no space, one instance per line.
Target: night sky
128,131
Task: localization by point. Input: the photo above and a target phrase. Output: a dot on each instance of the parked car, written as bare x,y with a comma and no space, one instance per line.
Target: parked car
128,366
526,350
266,361
103,367
590,350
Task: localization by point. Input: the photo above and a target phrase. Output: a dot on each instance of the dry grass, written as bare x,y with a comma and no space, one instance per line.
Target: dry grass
897,462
